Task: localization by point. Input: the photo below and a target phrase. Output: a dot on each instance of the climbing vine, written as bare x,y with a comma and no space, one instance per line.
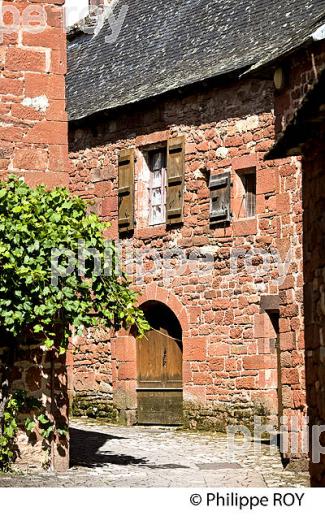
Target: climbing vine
9,428
56,273
45,288
46,428
38,421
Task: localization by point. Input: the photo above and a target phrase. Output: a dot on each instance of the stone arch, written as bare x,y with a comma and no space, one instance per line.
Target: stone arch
159,364
124,366
155,293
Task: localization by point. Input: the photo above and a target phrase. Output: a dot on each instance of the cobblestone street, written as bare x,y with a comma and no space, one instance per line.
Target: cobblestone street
112,456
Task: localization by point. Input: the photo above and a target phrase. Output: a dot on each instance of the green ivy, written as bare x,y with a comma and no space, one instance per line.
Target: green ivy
9,429
21,403
33,222
46,428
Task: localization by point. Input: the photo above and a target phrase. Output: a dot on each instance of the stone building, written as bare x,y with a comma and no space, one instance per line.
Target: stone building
171,115
300,108
169,126
34,145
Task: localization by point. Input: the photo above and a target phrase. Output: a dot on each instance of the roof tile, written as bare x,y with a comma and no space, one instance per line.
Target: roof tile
167,44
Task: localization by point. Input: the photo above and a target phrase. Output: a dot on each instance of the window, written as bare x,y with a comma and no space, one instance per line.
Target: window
157,186
126,190
244,200
249,183
220,198
159,183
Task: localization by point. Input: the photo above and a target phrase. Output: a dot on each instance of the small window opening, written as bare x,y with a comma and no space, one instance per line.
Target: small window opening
157,186
249,185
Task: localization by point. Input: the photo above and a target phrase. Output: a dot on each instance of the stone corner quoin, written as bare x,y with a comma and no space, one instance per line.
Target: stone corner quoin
34,145
33,130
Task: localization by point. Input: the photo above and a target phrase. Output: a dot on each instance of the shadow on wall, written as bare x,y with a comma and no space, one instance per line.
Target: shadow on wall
27,369
218,102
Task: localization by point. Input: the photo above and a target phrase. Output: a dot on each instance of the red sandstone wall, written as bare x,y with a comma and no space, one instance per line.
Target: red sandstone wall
313,165
33,121
34,144
31,371
230,365
302,70
90,374
300,74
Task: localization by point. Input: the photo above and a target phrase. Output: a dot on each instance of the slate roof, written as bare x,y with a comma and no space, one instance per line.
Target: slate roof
305,124
168,44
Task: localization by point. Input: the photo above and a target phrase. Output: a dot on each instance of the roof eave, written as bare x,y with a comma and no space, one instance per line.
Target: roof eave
237,73
316,36
308,117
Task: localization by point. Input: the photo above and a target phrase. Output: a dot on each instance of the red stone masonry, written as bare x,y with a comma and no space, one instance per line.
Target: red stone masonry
302,70
231,371
33,119
34,145
300,75
313,167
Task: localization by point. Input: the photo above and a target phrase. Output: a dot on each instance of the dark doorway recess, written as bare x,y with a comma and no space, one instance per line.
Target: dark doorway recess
159,367
275,317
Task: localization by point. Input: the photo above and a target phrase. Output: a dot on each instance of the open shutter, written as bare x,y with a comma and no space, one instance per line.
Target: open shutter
175,179
126,190
220,198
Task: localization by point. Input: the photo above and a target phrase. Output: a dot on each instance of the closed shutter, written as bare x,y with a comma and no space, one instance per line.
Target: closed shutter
220,198
126,190
175,179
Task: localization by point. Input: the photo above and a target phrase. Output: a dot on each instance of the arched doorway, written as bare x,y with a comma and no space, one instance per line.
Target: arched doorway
159,368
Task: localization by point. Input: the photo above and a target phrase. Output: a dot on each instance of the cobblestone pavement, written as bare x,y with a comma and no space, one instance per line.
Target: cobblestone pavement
113,456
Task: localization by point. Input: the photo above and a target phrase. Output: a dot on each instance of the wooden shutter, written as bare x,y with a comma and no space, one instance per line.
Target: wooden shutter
126,190
175,179
220,198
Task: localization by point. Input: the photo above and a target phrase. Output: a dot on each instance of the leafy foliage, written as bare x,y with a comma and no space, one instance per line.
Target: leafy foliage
34,222
46,428
20,403
9,429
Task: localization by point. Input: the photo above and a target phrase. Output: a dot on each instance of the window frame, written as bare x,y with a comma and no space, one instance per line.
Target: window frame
220,187
249,194
244,207
161,149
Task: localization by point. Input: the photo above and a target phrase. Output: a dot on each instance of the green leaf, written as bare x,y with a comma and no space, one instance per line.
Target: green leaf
40,235
38,328
43,419
30,425
62,432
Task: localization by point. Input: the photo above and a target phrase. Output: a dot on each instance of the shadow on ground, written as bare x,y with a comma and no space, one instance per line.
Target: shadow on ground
84,450
85,446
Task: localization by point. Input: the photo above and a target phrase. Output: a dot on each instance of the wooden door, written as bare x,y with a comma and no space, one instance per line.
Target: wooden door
160,385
